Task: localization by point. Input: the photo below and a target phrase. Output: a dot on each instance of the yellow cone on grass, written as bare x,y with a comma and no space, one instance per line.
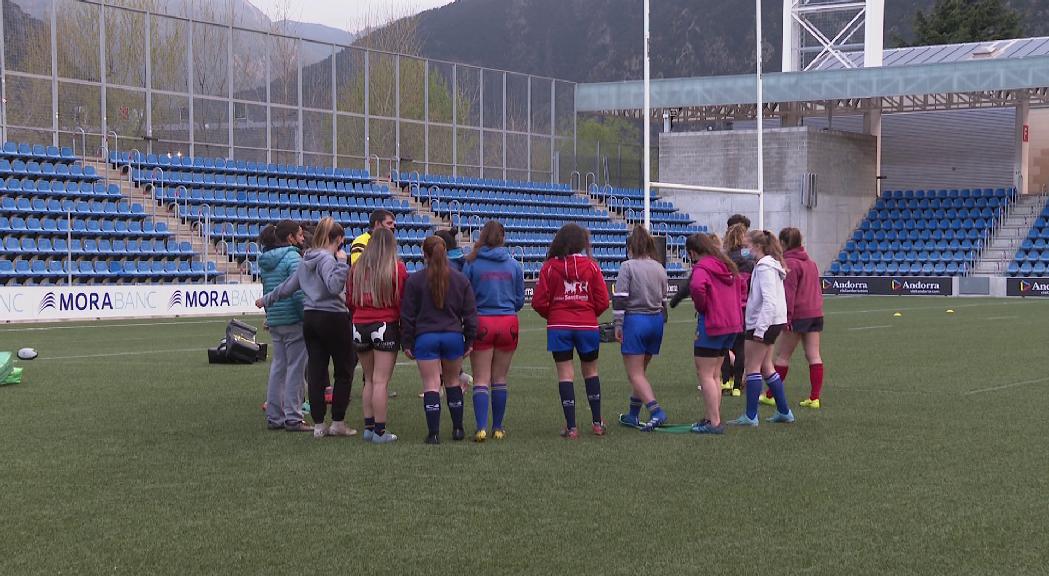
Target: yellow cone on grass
897,315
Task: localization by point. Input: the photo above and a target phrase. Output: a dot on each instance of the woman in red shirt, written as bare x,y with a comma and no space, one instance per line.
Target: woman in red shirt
373,295
804,314
571,294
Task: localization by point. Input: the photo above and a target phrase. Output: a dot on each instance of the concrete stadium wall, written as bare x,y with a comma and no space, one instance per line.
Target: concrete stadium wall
843,163
1038,120
946,149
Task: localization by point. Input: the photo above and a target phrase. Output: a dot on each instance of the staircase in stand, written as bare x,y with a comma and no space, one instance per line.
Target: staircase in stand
418,207
181,231
672,255
1009,235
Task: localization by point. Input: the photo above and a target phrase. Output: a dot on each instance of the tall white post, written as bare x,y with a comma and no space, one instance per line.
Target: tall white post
791,38
873,33
761,123
646,114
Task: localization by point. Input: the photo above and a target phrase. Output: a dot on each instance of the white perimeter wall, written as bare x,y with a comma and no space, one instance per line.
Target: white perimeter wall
56,303
843,162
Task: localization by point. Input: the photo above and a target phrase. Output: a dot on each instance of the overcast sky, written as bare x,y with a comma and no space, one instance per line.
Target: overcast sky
348,14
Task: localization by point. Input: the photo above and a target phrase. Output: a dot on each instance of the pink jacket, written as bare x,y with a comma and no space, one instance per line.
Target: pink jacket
802,286
716,295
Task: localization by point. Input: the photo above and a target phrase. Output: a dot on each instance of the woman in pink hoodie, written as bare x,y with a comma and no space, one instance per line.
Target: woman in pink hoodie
715,293
804,314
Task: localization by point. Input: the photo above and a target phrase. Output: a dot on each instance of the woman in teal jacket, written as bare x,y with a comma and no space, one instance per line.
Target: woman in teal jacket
287,382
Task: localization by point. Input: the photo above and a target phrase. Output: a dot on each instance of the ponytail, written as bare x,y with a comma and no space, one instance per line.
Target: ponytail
704,245
769,244
437,271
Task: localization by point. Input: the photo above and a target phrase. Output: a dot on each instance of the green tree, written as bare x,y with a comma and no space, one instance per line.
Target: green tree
955,21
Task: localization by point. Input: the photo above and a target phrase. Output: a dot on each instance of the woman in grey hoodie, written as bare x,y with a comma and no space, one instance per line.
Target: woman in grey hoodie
765,319
326,324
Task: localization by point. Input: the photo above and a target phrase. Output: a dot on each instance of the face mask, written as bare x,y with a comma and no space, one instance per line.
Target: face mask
745,252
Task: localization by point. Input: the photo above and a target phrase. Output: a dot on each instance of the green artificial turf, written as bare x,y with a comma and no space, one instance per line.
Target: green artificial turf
124,452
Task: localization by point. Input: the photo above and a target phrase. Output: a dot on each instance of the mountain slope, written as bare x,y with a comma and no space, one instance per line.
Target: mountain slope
600,40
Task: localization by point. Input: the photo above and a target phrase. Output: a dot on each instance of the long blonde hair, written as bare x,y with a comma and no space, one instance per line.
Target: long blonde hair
328,231
375,273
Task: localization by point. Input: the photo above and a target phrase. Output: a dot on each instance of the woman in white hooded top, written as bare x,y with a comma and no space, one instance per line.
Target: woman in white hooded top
766,319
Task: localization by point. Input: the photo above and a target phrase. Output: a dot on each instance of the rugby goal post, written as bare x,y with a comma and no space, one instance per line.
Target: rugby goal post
647,115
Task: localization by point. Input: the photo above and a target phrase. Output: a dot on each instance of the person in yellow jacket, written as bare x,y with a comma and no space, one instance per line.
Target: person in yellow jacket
378,219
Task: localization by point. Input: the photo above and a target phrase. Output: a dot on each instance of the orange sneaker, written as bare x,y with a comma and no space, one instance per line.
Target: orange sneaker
599,428
570,433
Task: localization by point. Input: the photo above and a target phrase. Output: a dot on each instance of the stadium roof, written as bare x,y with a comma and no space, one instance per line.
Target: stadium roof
913,79
996,50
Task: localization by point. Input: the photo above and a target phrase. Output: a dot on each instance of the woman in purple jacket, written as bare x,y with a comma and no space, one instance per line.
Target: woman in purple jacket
715,293
438,327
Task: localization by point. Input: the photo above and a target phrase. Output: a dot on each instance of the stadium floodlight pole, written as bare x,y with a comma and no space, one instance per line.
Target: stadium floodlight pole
761,125
647,154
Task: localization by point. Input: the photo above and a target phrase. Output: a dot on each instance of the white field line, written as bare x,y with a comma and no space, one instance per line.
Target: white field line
115,354
1000,318
871,327
1006,386
944,306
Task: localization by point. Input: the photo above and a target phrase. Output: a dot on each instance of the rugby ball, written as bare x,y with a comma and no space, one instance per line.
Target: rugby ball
27,353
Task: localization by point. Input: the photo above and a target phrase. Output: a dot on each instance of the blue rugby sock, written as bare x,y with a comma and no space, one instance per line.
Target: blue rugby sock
654,408
593,396
499,393
432,406
775,384
480,400
635,407
753,393
567,392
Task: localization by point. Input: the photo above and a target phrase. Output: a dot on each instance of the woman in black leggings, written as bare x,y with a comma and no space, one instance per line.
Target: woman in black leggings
326,324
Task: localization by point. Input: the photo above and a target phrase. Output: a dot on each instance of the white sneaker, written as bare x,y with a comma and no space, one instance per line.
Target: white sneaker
320,430
340,429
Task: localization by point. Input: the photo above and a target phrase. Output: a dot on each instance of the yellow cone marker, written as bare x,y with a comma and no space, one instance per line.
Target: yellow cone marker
897,315
949,311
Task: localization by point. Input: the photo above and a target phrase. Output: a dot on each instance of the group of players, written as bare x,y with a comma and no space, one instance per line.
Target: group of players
325,306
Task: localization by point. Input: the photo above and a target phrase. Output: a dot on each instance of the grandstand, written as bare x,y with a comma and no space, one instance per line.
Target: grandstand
532,212
181,196
63,224
923,233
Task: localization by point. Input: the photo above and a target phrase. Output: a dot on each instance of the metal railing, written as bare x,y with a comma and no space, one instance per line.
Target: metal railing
153,186
83,140
133,156
588,179
116,143
204,226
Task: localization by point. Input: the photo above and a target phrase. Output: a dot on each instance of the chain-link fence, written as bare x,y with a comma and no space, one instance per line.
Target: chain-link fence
214,80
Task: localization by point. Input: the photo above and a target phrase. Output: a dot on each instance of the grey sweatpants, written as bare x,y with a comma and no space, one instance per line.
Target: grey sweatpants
287,384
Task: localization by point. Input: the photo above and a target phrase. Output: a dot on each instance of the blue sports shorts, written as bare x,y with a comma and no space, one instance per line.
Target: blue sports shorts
642,334
439,346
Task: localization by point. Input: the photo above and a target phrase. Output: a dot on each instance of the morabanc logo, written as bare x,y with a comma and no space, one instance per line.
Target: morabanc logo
826,284
1026,286
48,301
896,285
176,299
